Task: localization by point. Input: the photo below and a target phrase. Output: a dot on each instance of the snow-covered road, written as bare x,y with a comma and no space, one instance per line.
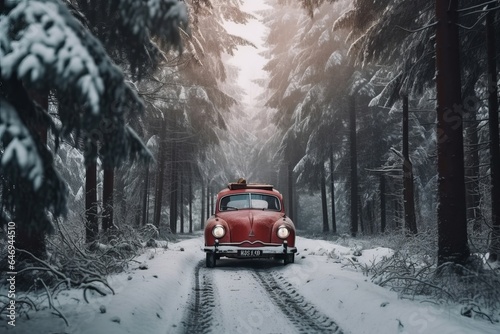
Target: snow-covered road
320,292
275,306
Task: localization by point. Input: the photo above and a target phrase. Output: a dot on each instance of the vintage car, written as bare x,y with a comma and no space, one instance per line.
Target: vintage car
249,222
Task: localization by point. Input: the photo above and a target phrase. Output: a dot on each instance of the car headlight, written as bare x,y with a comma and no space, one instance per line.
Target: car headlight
218,231
283,232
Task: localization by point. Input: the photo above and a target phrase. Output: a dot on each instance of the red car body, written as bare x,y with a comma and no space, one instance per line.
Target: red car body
249,222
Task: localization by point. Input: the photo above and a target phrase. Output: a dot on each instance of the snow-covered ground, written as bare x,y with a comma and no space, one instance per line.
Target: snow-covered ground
241,296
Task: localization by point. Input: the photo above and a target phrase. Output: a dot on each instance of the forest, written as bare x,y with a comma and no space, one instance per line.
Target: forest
120,121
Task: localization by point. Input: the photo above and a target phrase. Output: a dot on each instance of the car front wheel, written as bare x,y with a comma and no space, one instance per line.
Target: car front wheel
210,260
289,258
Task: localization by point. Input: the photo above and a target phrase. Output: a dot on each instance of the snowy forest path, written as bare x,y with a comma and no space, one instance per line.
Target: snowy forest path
249,297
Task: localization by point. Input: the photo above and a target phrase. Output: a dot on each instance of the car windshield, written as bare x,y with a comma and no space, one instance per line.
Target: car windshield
250,201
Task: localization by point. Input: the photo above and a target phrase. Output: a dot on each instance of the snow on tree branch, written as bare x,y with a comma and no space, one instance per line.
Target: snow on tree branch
20,151
42,49
47,48
165,17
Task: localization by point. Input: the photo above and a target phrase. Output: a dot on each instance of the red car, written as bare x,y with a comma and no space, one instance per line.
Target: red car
249,222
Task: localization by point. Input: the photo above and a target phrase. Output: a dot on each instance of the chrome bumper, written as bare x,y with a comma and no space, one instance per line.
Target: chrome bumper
267,249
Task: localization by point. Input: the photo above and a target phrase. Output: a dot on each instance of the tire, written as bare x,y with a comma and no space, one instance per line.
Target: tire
210,260
289,258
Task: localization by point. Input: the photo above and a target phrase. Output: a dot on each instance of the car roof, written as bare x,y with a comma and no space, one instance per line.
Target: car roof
249,187
235,186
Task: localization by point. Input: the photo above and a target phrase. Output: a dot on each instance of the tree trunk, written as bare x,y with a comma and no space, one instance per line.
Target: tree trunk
42,99
354,167
296,204
190,194
202,215
397,214
452,222
332,189
174,192
360,214
120,198
137,218
28,239
91,219
324,204
291,203
383,213
212,197
160,176
408,193
494,139
181,202
107,198
369,210
33,242
145,202
208,200
473,194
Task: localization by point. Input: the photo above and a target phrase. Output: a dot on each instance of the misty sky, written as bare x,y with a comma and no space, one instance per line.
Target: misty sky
248,59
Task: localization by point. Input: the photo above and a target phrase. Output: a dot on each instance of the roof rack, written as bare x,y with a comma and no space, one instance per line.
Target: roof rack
235,186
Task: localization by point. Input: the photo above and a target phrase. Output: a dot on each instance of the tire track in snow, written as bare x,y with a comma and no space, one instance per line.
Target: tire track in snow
200,315
305,317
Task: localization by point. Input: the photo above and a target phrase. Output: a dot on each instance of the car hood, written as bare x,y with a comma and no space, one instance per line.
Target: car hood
250,225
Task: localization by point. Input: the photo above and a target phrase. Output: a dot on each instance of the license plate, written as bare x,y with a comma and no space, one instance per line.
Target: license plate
249,253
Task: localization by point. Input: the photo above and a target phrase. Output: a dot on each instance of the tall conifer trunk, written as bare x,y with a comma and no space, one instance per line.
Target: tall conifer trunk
212,204
190,196
27,237
174,192
494,139
452,222
291,197
145,202
181,202
107,198
354,167
332,189
91,220
202,215
208,200
160,175
324,205
383,212
408,193
471,166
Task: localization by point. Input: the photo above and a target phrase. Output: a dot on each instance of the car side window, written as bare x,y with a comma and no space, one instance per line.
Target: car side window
273,203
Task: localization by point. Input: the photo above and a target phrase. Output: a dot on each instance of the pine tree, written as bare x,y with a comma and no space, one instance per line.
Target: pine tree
44,48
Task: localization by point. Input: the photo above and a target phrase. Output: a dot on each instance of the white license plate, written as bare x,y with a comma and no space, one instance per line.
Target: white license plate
249,253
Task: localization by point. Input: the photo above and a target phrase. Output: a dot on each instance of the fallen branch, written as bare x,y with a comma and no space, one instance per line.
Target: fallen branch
51,302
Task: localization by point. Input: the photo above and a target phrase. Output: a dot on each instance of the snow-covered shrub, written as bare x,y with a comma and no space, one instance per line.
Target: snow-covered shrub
413,272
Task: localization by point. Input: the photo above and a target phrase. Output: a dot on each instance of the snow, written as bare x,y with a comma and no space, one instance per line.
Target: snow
30,64
324,38
334,60
17,150
199,94
293,85
308,73
48,46
21,149
156,299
